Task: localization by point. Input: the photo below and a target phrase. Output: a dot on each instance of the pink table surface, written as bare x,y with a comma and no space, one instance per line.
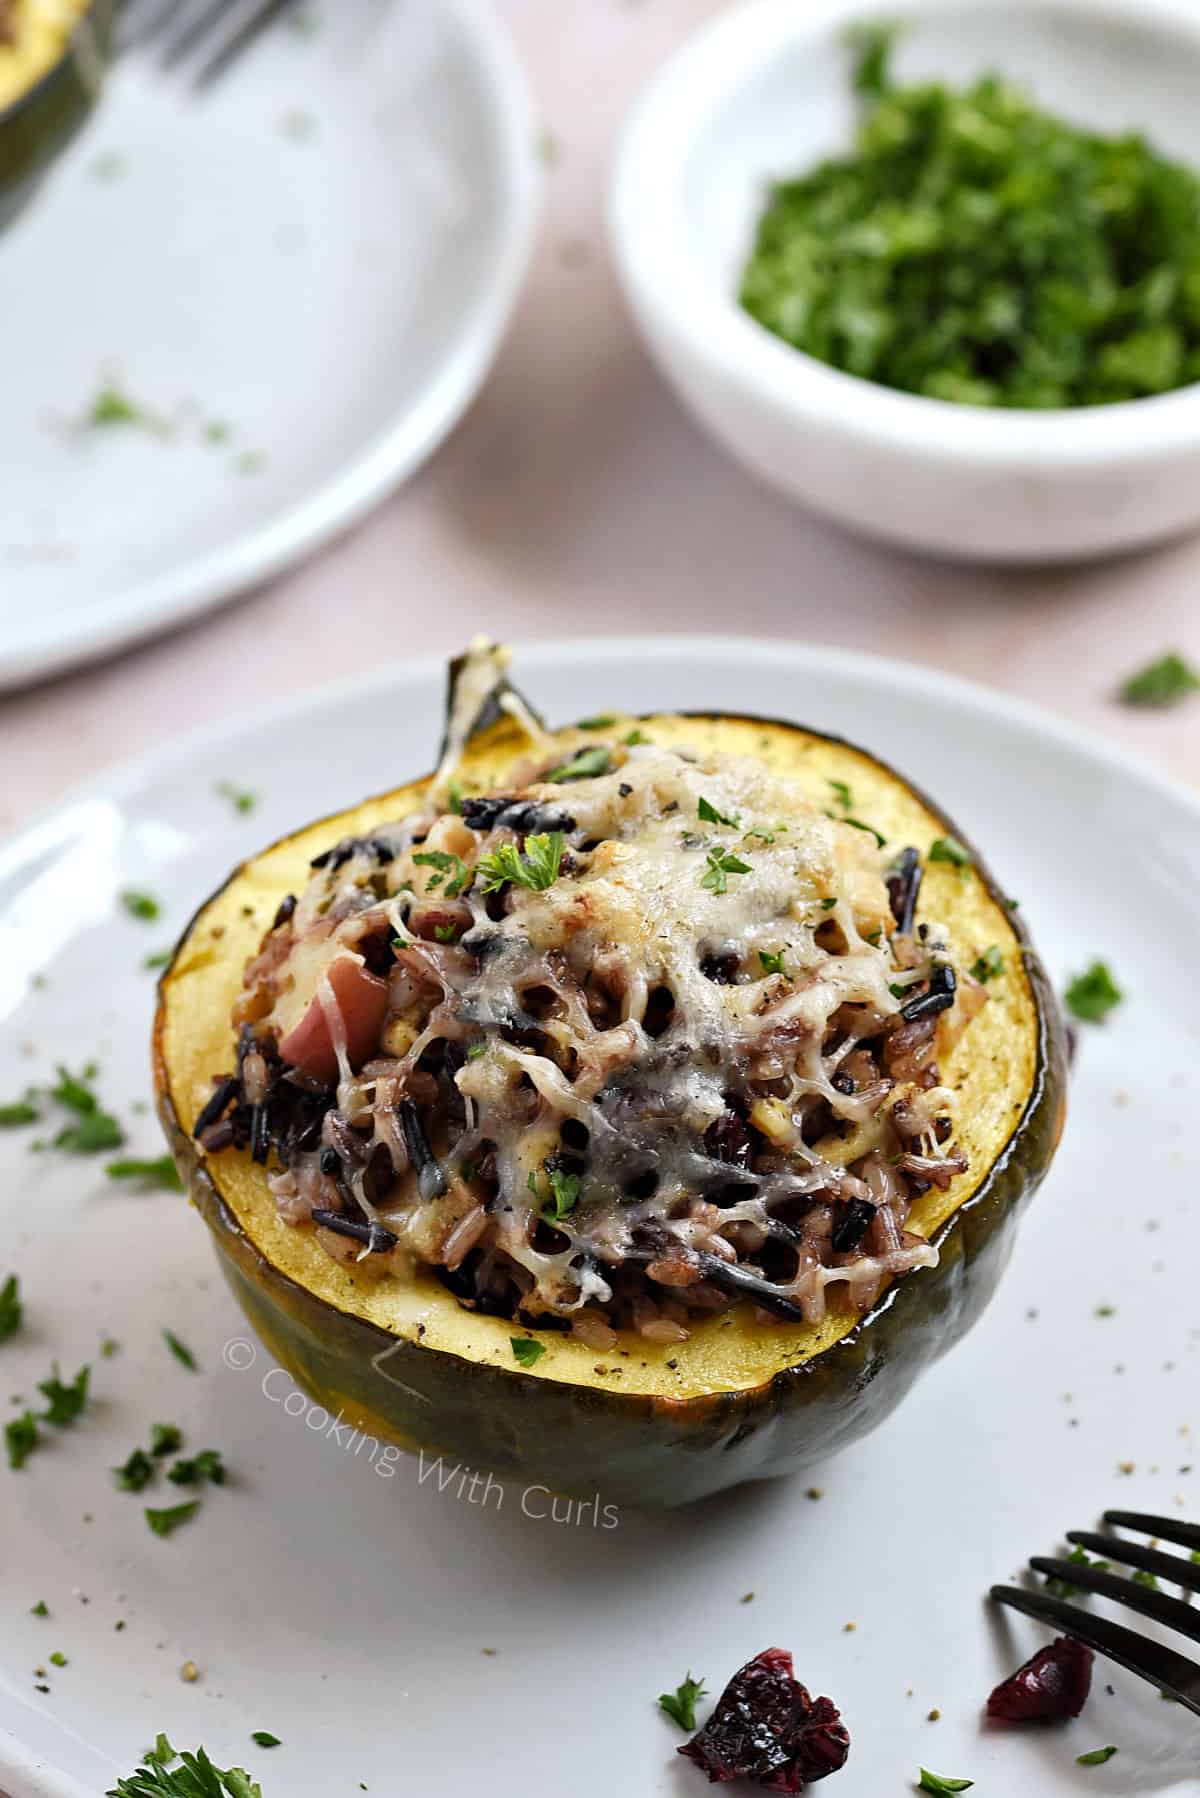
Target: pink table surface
576,498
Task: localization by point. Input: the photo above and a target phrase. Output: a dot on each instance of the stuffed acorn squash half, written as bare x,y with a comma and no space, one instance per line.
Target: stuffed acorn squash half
635,1108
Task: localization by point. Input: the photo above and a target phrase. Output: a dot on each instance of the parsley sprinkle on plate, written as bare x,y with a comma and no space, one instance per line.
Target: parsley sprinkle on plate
680,1705
196,1777
67,1400
159,1172
1093,994
143,906
264,1739
10,1308
526,1350
181,1351
1162,683
1096,1757
163,1522
936,1782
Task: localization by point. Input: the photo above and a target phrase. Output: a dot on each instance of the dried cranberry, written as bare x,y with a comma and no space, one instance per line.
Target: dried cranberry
766,1727
1053,1683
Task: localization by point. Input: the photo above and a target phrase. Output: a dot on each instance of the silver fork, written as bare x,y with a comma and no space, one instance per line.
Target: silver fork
1171,1672
206,35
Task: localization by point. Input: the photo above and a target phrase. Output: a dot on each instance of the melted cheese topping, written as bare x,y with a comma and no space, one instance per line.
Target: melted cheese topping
707,951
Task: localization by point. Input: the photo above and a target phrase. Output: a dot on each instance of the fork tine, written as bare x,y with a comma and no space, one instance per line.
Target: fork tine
1150,1661
235,41
1187,1535
195,23
1133,1554
140,19
1144,1599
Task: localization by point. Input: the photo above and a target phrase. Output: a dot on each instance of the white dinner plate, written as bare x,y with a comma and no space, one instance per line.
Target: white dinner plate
299,279
351,1612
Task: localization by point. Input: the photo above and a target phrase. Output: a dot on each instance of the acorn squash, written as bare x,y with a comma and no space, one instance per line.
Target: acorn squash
50,78
646,1423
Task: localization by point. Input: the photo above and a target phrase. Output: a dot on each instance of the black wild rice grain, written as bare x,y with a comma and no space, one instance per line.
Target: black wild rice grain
223,1095
734,1278
939,996
903,885
430,1179
527,817
854,1219
375,1237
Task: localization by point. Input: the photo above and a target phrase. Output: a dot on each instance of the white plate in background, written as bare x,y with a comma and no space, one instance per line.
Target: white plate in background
346,1610
303,275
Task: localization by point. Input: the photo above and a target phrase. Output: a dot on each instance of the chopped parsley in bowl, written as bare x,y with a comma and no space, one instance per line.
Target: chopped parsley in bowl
975,340
974,248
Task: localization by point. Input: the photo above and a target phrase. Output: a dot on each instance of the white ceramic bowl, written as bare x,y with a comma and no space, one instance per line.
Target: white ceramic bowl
763,93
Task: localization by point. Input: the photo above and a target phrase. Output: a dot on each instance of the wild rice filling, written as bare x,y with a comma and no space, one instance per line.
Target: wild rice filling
643,1034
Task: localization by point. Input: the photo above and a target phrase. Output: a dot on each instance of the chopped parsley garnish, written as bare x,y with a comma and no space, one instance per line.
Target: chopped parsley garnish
94,1132
1162,683
987,966
445,933
57,1659
452,865
263,1738
163,1522
181,1351
165,1438
476,1050
18,1113
772,960
110,1347
21,1437
842,794
95,1129
1142,1576
536,869
40,1609
112,407
936,1782
196,1777
828,904
67,1400
1096,1758
975,248
160,958
10,1308
240,798
207,1465
584,765
564,1194
635,739
680,1705
857,824
709,813
75,1091
526,1350
1093,994
949,849
1078,1557
604,722
141,905
160,1171
137,1472
721,863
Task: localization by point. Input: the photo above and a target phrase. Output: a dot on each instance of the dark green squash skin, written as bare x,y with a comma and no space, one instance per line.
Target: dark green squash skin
42,122
633,1449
